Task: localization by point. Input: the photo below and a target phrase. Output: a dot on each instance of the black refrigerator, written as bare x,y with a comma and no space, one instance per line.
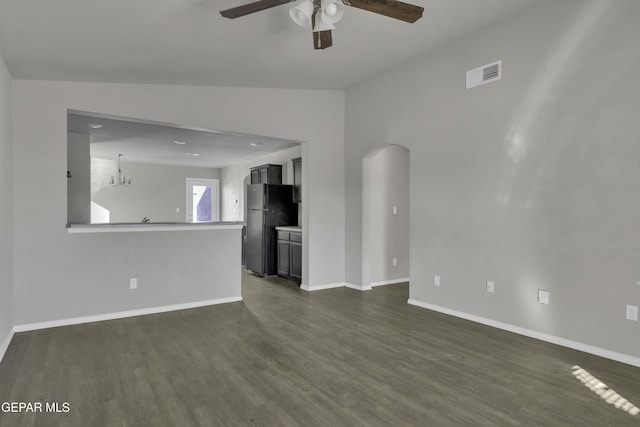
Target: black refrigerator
268,206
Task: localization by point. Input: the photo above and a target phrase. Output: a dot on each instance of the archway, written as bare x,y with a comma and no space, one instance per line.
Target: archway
385,216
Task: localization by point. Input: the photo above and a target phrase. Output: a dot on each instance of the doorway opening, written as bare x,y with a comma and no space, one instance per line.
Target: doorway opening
203,200
385,216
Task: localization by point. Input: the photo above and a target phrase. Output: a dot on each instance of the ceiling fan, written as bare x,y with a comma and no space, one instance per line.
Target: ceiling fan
320,15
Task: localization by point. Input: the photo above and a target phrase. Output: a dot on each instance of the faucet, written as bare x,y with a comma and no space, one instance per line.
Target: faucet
145,220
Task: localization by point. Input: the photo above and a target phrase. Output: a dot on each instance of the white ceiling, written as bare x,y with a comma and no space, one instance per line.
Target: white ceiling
188,42
148,142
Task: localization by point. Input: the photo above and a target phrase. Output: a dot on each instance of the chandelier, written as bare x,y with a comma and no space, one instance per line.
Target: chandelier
120,179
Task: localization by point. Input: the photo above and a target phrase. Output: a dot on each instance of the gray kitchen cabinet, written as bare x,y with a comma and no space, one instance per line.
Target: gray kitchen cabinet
295,259
266,174
297,179
284,255
290,255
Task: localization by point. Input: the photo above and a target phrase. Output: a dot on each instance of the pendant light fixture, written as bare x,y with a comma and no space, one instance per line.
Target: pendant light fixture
120,179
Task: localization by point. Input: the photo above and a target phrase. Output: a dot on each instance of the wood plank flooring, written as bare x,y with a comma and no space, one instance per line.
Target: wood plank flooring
285,357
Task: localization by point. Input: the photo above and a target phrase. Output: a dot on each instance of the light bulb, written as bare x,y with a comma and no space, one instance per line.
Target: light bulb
331,9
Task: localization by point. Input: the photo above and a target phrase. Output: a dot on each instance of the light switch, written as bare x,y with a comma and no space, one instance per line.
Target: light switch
395,210
490,286
543,296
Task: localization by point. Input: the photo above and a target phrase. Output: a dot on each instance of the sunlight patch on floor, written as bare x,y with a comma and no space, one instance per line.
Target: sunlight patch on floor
605,393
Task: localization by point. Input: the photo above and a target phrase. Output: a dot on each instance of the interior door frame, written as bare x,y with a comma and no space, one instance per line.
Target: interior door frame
215,199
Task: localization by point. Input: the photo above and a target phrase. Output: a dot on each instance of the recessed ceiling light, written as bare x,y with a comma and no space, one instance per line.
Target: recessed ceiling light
256,144
192,154
94,125
180,142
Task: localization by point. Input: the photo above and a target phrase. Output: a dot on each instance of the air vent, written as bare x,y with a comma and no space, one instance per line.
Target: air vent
485,74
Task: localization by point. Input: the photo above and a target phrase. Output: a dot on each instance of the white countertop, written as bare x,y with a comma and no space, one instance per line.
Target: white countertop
293,228
150,226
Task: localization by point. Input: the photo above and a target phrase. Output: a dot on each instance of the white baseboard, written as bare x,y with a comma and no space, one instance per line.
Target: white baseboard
322,287
389,282
121,314
5,344
358,287
351,285
586,348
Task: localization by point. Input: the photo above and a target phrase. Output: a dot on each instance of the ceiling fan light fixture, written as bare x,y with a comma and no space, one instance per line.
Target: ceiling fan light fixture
321,25
301,14
332,11
322,14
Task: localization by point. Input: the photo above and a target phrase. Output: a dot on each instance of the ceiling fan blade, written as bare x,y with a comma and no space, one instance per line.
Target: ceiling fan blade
322,39
237,12
394,9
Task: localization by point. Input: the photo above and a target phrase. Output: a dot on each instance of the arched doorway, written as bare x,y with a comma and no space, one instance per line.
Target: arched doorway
385,216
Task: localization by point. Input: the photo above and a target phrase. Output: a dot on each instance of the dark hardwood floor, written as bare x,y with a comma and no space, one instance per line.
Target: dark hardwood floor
285,357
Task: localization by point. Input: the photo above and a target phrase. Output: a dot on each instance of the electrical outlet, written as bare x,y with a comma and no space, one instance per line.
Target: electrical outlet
543,296
436,280
632,312
133,283
394,261
490,286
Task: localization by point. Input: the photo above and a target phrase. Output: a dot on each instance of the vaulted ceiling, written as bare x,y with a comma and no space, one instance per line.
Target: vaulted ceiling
188,42
169,144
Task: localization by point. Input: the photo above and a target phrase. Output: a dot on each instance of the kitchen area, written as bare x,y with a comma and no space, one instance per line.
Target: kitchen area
272,236
133,173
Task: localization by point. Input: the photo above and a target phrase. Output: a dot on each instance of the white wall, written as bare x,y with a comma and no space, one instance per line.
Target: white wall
156,192
233,180
531,181
385,234
6,205
58,275
79,185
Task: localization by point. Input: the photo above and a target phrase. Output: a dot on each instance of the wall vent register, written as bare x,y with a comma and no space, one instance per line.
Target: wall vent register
485,74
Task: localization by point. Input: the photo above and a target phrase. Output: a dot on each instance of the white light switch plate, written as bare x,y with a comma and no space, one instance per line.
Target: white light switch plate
436,280
632,312
490,286
543,296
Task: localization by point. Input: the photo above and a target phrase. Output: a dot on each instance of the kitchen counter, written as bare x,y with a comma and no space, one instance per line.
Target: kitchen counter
152,226
293,228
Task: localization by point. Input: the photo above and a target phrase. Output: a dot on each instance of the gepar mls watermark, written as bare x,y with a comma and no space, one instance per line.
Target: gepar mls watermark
38,407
